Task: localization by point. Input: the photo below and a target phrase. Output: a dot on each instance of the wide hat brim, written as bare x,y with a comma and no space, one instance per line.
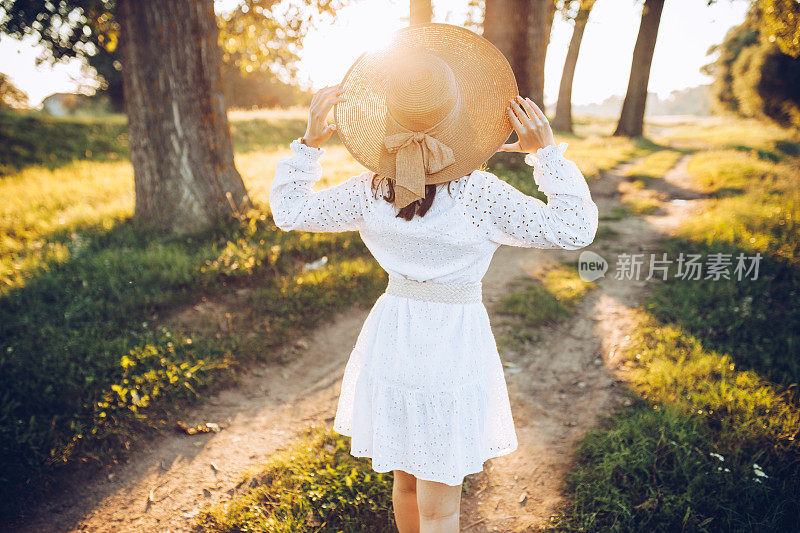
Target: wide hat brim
485,81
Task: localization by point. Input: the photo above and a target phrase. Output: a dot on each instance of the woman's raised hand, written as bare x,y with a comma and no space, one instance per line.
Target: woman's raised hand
318,130
531,125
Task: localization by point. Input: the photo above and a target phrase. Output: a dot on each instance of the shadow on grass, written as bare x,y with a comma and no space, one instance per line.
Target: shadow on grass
753,320
710,440
779,152
88,361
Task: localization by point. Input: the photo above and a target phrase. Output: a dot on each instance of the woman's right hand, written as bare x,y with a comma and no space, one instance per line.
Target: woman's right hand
531,125
318,130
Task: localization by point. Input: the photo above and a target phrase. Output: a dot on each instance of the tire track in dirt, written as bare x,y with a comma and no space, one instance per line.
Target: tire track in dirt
565,384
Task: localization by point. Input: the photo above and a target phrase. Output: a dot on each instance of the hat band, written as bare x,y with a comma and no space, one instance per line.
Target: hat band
418,153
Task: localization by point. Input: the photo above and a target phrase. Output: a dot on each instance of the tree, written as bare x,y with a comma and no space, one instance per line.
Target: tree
71,29
180,140
753,77
563,118
521,30
11,97
170,62
631,120
255,34
505,25
420,11
780,24
540,24
267,35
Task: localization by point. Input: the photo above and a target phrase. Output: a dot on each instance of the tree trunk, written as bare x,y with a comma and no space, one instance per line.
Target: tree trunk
631,120
563,118
540,22
505,25
181,149
116,94
421,11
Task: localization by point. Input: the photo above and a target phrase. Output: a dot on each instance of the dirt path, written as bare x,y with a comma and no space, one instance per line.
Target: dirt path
563,385
569,380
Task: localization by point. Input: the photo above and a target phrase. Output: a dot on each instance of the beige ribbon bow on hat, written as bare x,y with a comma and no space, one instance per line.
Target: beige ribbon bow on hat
418,154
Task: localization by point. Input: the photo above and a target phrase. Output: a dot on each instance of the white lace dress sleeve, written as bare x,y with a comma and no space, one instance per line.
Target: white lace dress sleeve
295,206
568,220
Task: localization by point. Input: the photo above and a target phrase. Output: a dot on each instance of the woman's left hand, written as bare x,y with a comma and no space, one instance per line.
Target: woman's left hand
318,130
531,125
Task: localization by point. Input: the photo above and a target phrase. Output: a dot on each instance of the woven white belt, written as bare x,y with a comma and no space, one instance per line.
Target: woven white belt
435,292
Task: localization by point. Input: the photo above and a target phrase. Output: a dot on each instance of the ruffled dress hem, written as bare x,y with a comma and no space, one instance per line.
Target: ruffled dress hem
397,463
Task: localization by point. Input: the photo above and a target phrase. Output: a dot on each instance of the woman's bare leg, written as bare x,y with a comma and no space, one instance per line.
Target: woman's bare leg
404,501
439,507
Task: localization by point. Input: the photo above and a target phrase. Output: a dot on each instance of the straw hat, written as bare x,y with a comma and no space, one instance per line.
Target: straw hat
428,108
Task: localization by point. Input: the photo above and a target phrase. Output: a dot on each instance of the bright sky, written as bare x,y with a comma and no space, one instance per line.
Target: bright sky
688,28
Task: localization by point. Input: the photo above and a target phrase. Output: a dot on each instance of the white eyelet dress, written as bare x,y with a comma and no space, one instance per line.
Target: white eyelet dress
423,390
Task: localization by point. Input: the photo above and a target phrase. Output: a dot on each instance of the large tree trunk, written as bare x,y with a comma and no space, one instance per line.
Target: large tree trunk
505,25
421,11
180,140
563,118
631,120
540,23
116,92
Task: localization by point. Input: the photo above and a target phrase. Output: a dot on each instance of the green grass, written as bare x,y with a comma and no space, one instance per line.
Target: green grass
534,302
593,155
618,213
92,350
642,204
38,140
654,166
637,198
86,360
51,142
315,485
713,369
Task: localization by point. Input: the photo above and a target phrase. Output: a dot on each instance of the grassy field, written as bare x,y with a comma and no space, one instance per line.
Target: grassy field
93,352
710,442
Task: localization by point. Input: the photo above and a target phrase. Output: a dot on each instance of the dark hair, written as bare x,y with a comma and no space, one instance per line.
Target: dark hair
419,207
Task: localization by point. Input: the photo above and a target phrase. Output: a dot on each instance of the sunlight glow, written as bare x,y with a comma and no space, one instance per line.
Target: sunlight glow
362,26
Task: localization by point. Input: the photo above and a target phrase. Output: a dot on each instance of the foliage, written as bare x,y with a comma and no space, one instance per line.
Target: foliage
267,35
781,24
37,139
753,77
315,485
68,29
10,96
255,36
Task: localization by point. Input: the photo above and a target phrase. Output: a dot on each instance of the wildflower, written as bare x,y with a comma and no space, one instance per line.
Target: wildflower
758,472
718,456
